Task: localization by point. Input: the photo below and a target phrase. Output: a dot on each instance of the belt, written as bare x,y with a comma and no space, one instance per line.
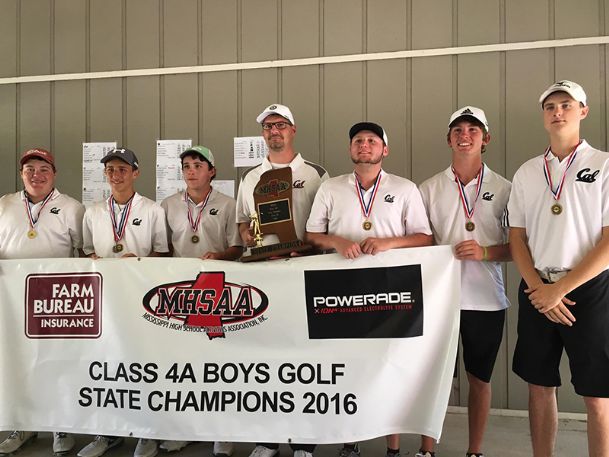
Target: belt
552,275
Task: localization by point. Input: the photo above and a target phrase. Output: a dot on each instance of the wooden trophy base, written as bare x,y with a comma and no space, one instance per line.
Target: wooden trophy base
275,250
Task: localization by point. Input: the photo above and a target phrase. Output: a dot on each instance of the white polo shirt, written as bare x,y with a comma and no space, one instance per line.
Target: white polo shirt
397,210
59,227
561,241
145,231
217,229
482,286
306,179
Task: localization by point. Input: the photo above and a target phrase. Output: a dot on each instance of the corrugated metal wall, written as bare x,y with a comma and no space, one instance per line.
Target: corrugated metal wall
411,98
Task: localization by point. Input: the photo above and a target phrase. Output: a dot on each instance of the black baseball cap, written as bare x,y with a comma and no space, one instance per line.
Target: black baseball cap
371,126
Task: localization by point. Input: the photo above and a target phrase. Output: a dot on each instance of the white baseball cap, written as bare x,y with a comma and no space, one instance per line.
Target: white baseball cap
276,108
573,89
469,111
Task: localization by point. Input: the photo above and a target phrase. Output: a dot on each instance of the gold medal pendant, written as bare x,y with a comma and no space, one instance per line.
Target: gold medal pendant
556,209
117,248
31,234
470,226
195,239
367,225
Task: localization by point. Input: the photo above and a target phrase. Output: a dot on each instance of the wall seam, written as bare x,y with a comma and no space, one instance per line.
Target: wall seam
52,85
162,78
279,50
88,68
125,137
321,80
364,68
603,76
18,87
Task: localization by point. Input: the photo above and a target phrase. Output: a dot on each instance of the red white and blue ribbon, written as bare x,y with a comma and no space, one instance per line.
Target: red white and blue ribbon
467,208
28,210
366,208
194,224
546,171
119,229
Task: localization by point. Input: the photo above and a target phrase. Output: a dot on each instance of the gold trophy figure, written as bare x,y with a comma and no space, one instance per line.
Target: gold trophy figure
256,229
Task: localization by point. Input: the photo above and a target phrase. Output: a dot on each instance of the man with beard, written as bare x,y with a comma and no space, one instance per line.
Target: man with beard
345,218
279,130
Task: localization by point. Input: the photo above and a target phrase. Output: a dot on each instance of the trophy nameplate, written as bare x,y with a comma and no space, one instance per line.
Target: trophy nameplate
274,215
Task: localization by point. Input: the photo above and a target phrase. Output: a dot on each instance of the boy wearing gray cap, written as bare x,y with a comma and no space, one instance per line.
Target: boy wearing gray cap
127,224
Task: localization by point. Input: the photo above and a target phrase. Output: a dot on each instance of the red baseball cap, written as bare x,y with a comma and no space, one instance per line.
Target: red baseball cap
38,153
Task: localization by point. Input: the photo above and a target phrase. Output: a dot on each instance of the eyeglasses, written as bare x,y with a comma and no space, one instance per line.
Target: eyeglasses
277,125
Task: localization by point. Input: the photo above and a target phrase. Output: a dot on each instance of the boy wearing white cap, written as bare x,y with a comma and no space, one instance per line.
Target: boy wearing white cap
559,237
39,222
366,212
127,224
466,204
201,223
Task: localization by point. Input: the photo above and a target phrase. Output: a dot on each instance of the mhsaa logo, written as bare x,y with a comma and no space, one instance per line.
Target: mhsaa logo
208,304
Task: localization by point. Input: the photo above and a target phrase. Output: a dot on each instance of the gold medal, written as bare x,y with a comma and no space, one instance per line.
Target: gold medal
195,239
367,225
470,226
117,248
556,209
31,234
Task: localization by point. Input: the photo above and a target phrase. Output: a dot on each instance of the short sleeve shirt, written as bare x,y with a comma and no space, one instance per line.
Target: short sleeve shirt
397,209
145,231
482,286
58,227
217,230
561,241
306,177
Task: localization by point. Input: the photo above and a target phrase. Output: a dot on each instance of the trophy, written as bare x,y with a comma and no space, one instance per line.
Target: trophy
273,215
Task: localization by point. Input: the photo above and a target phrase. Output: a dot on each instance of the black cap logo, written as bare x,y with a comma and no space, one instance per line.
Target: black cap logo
273,107
466,111
562,84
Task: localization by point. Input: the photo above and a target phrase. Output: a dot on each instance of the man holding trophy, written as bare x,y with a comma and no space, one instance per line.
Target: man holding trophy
273,205
275,197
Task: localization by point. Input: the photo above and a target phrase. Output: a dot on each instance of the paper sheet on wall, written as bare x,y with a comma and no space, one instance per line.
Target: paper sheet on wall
94,185
249,151
168,167
227,186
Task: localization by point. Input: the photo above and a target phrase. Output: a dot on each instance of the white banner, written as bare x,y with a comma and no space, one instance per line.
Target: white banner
310,350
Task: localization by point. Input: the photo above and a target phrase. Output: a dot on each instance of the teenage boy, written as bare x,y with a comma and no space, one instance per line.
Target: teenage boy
466,204
201,223
559,237
39,222
125,225
366,212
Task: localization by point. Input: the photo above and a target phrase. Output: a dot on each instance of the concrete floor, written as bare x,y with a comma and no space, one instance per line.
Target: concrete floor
505,437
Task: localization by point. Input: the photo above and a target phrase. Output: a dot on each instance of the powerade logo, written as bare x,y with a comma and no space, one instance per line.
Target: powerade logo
208,304
382,302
